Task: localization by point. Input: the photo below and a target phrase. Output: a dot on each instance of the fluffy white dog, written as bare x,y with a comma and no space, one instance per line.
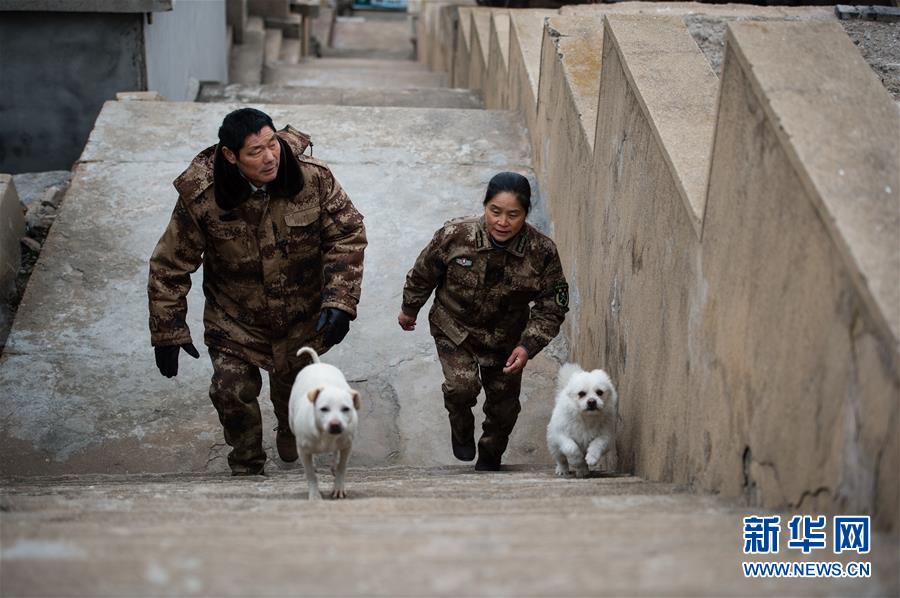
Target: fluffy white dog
583,424
323,418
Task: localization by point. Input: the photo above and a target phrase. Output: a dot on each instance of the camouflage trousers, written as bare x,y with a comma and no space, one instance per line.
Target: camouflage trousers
234,392
464,378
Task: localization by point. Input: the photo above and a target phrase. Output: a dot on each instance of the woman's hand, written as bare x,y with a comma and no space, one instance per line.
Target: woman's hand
517,360
406,322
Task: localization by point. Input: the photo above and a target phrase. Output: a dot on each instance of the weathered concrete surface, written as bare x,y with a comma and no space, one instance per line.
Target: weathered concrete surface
496,88
799,384
376,36
246,60
377,64
667,9
566,111
12,229
80,389
640,248
272,46
563,134
433,97
402,532
462,51
526,29
479,47
310,76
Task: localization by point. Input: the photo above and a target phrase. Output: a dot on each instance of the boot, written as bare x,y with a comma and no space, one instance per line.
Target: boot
487,463
286,444
464,451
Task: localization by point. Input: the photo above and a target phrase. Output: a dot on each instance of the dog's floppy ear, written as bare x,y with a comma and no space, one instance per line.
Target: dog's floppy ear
356,400
314,394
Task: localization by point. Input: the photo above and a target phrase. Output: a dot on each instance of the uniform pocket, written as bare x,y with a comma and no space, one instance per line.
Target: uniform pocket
462,284
521,290
229,240
303,231
303,217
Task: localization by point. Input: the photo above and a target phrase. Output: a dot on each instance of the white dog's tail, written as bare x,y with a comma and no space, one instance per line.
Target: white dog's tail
309,351
566,372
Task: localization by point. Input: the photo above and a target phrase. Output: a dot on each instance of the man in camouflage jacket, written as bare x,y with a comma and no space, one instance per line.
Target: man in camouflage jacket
282,247
490,303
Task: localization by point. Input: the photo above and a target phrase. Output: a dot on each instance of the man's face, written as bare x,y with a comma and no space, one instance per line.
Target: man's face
259,157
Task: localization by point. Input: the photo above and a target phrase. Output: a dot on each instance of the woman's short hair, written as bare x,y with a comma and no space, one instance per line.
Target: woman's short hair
511,182
241,123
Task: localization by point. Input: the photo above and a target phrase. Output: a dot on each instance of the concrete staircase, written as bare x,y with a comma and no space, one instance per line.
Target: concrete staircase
368,64
114,480
403,531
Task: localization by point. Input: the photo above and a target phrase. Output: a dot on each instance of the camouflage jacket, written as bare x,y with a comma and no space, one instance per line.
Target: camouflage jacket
498,299
270,263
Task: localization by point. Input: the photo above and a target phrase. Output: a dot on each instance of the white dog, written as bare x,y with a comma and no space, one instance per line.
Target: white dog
323,418
583,424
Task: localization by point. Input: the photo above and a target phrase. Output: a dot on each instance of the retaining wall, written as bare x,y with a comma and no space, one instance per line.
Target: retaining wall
731,243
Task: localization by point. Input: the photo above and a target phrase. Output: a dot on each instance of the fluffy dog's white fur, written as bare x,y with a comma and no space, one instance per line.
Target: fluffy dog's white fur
323,418
583,425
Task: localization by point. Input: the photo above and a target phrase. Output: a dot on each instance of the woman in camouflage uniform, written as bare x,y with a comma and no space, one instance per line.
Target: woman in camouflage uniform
500,297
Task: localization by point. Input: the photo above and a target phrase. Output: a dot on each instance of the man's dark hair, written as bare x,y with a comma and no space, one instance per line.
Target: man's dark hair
240,123
511,182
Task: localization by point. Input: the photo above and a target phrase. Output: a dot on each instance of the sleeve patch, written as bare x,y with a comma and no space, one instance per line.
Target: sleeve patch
562,294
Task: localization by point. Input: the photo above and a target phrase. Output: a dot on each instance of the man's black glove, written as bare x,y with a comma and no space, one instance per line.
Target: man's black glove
167,358
338,323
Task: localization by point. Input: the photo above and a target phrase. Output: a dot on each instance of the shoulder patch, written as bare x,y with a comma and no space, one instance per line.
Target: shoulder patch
562,294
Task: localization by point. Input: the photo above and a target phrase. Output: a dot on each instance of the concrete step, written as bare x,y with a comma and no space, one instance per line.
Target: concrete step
80,389
372,64
403,54
306,76
402,531
290,51
246,59
373,34
273,43
436,97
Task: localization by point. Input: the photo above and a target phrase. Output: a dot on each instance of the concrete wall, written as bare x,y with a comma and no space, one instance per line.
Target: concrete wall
799,326
479,48
526,28
57,70
732,247
186,46
459,74
12,229
496,86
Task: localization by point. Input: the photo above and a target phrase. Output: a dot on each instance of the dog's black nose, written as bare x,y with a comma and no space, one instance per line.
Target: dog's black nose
335,428
592,404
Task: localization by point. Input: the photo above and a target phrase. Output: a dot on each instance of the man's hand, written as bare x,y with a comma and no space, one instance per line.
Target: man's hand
406,322
517,360
167,358
338,323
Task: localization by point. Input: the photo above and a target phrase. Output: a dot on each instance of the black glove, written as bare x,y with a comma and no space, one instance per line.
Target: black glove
338,323
167,358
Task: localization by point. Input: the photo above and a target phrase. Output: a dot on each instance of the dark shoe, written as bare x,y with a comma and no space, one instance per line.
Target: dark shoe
463,451
286,444
486,463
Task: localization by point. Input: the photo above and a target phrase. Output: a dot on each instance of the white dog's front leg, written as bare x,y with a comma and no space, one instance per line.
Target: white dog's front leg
573,455
595,450
312,482
341,458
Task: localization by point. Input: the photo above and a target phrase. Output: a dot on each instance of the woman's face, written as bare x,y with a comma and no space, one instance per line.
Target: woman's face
504,216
